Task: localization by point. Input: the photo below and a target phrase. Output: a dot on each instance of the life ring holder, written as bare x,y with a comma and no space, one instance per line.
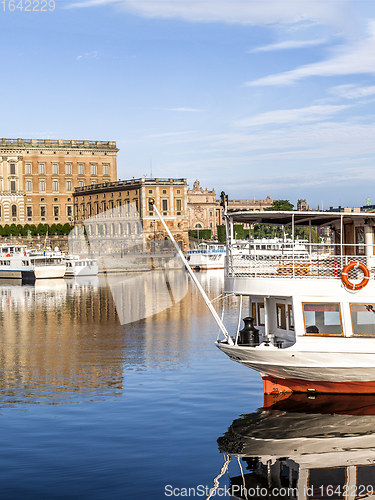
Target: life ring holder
345,279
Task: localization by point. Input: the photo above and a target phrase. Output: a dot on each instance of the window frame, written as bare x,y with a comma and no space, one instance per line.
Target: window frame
282,325
323,334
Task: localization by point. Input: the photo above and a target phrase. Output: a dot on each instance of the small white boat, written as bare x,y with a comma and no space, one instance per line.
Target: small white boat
17,262
80,266
207,255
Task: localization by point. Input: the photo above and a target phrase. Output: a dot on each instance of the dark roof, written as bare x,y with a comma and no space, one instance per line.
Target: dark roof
301,218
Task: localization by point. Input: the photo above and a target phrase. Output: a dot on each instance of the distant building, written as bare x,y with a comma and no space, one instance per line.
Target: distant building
251,205
201,205
134,197
38,176
301,205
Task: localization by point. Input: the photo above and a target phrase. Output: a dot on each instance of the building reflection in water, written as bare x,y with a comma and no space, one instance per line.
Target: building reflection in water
59,337
303,448
65,338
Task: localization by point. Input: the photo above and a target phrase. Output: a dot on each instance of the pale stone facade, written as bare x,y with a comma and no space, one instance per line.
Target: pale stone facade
201,208
38,177
205,211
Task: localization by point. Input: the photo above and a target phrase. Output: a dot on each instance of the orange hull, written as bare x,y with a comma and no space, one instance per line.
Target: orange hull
273,385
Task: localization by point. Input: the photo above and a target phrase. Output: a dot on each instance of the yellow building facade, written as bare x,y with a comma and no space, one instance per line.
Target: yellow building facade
38,177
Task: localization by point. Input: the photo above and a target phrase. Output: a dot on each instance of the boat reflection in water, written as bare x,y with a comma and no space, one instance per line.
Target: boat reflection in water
302,448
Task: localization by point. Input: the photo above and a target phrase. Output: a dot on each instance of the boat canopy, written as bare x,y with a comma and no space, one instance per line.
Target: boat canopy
296,217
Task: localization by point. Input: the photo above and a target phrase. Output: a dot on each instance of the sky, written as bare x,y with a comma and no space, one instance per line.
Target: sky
255,98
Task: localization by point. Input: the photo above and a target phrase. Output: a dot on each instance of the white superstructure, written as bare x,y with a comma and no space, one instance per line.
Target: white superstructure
80,266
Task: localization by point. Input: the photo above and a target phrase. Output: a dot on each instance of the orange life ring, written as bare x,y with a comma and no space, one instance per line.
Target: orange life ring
352,265
8,255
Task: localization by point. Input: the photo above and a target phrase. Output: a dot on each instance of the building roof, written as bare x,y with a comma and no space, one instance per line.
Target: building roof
56,143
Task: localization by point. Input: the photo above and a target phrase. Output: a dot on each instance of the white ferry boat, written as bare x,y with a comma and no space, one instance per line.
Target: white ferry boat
17,262
80,266
212,255
309,322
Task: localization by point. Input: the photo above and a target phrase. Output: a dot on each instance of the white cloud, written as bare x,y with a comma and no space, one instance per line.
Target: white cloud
89,55
180,110
290,44
234,11
352,91
283,116
348,59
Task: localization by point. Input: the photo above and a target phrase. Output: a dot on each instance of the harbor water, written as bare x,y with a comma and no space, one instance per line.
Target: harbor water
98,404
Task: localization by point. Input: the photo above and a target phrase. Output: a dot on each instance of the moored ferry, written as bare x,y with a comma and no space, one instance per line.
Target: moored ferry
309,320
207,255
17,262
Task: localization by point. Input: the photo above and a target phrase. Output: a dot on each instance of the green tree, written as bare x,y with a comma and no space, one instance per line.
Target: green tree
66,228
52,229
14,230
281,206
221,236
238,231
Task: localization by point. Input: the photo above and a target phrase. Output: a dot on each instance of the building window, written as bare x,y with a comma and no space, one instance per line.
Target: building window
164,204
68,185
55,185
178,205
150,204
29,211
93,183
68,169
55,168
12,169
42,185
28,168
13,186
81,184
281,316
14,210
69,211
106,169
322,319
164,191
81,169
41,168
178,191
93,169
42,211
150,191
55,211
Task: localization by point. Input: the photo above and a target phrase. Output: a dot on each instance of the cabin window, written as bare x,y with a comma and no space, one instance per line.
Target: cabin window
261,314
360,240
326,477
290,317
254,312
322,319
281,316
363,319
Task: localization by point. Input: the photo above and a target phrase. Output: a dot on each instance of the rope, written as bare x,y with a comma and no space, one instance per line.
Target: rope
221,473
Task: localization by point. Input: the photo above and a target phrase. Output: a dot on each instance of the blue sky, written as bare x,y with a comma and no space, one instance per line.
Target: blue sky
256,98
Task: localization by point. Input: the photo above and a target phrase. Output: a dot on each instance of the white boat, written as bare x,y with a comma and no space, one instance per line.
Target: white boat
17,262
309,320
303,448
80,266
207,255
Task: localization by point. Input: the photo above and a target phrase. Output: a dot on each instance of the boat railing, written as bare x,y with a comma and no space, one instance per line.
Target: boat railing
323,261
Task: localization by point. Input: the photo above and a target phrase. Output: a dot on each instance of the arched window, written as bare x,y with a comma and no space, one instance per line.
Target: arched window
198,225
14,210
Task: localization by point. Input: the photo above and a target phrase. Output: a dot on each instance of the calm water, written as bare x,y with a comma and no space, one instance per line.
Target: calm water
92,408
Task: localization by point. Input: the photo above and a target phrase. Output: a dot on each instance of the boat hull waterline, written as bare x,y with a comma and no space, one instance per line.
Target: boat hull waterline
288,370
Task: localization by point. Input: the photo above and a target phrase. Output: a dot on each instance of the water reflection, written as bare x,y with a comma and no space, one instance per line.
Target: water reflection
305,448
